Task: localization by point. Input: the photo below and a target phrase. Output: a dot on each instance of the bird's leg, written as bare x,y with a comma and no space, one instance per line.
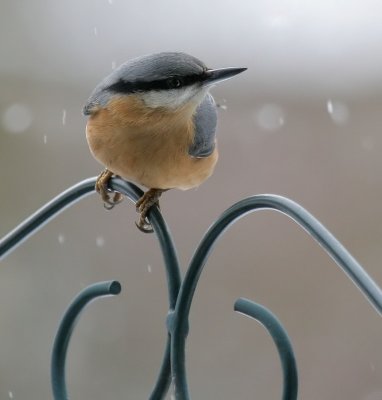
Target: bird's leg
150,198
101,187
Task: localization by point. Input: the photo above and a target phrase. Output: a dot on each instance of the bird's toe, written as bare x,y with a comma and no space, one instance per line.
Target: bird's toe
101,187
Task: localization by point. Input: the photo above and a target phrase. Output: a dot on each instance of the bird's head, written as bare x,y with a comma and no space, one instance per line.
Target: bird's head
169,80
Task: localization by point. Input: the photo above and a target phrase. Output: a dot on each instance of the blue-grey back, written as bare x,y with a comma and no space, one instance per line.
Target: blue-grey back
205,121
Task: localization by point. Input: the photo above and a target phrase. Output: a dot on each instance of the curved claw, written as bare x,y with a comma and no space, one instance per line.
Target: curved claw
118,198
102,188
143,205
108,206
144,227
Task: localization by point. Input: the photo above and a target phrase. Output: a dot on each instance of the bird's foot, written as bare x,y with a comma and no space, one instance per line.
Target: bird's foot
101,187
150,198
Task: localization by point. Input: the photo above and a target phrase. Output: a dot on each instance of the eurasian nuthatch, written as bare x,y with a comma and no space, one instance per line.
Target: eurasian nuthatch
153,121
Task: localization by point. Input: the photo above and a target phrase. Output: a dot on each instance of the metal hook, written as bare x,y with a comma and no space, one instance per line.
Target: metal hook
72,195
179,307
179,319
281,340
65,330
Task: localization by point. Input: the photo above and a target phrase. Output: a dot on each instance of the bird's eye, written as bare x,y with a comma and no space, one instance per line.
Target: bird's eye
174,83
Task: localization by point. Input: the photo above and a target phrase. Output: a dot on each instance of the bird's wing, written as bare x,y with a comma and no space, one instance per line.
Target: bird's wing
205,120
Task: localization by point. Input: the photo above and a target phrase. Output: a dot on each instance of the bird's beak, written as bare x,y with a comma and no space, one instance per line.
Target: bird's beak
213,76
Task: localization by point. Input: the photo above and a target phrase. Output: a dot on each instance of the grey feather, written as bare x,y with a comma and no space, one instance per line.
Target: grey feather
205,121
146,68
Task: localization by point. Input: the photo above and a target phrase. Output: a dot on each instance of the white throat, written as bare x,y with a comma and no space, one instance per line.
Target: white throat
174,98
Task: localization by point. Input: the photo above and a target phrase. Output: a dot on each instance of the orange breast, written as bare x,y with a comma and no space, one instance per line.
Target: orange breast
147,146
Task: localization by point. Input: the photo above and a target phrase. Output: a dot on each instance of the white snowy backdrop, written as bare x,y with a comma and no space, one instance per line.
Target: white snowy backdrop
304,121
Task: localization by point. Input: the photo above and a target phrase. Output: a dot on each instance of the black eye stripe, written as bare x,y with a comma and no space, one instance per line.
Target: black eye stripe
126,87
174,82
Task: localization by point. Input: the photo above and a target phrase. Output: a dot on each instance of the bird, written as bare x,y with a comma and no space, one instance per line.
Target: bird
153,121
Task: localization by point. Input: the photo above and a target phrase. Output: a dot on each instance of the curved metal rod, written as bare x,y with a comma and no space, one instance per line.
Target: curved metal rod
42,216
72,195
172,274
281,340
164,237
334,248
65,330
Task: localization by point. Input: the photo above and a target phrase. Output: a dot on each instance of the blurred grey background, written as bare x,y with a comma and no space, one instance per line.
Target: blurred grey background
304,121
